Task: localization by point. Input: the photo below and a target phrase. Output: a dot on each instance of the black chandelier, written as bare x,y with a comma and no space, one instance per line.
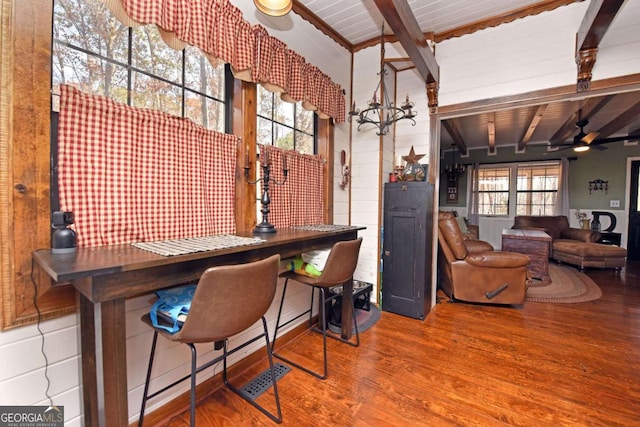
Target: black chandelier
454,170
382,112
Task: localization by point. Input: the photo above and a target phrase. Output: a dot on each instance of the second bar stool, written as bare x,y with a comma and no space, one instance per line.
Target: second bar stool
339,268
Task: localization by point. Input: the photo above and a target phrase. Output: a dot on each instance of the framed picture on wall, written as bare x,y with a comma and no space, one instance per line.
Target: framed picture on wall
452,190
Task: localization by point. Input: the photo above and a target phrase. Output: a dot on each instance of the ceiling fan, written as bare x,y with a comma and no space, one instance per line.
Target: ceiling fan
584,141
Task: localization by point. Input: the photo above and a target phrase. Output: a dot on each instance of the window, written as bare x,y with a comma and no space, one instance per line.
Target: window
96,53
537,189
285,125
493,191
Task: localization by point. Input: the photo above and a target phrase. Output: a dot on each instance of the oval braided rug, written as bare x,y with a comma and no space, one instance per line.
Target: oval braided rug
568,285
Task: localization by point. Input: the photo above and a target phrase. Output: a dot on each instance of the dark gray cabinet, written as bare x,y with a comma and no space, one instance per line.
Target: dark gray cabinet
406,254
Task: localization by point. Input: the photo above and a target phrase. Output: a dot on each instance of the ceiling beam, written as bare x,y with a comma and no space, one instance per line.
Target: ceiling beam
452,128
533,123
595,23
491,131
635,132
621,121
587,110
594,26
400,18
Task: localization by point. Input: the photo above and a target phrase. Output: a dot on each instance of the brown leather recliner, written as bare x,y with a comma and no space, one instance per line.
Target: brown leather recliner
470,270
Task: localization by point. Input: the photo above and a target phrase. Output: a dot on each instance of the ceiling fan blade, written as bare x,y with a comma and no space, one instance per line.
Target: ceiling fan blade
590,137
615,139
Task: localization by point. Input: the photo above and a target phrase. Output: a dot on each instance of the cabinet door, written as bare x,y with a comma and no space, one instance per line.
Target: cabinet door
406,264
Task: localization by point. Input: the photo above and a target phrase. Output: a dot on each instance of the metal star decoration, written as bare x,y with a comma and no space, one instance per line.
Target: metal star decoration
412,157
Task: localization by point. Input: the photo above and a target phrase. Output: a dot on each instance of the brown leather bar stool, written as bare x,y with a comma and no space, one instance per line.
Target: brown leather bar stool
227,301
339,268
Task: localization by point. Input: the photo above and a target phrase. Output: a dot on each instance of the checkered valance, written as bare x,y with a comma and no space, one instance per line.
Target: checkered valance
219,29
133,175
300,200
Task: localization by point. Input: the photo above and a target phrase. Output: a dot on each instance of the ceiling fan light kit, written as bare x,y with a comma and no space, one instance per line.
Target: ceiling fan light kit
584,141
274,7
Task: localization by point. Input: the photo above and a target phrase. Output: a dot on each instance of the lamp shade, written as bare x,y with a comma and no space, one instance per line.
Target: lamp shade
274,7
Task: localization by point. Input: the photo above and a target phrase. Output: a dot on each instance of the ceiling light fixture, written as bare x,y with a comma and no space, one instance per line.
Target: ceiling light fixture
454,170
581,148
382,112
274,7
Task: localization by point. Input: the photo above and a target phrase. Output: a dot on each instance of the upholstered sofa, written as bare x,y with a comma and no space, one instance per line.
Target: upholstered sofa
574,246
470,270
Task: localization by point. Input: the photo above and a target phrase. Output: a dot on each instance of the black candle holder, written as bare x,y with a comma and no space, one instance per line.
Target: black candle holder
265,227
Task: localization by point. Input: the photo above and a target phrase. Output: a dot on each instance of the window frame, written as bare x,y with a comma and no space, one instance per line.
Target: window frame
293,127
530,192
513,192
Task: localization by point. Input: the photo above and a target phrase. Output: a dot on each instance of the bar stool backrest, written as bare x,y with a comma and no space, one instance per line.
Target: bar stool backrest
230,299
341,263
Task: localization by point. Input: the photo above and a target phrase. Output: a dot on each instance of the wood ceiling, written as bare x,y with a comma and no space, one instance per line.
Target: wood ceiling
356,25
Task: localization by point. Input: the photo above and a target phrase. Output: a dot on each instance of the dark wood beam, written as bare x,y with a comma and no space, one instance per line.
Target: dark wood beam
491,130
589,109
312,18
594,26
400,18
621,121
635,132
452,128
533,123
595,23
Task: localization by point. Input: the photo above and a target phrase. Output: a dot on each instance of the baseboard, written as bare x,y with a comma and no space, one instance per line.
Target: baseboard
162,415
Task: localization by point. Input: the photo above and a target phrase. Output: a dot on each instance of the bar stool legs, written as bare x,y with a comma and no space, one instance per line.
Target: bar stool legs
322,330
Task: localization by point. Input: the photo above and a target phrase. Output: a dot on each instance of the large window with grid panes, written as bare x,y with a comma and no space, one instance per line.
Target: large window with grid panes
525,189
96,53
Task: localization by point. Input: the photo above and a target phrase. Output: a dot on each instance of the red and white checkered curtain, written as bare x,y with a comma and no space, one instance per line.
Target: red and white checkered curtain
135,175
300,200
218,28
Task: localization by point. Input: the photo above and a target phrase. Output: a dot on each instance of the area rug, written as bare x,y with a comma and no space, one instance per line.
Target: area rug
568,285
365,319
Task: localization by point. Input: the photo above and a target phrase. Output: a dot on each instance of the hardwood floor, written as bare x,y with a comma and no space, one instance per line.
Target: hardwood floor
472,365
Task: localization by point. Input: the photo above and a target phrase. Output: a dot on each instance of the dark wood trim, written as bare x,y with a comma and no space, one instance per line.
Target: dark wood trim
25,161
494,21
322,26
244,126
599,87
400,18
325,149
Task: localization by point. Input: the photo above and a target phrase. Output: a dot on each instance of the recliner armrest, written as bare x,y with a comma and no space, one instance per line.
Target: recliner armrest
477,246
497,259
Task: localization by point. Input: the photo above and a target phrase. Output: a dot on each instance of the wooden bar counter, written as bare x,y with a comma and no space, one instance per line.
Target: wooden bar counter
106,276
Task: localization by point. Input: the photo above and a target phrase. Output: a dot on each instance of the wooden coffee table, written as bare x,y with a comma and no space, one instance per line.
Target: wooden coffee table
534,243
